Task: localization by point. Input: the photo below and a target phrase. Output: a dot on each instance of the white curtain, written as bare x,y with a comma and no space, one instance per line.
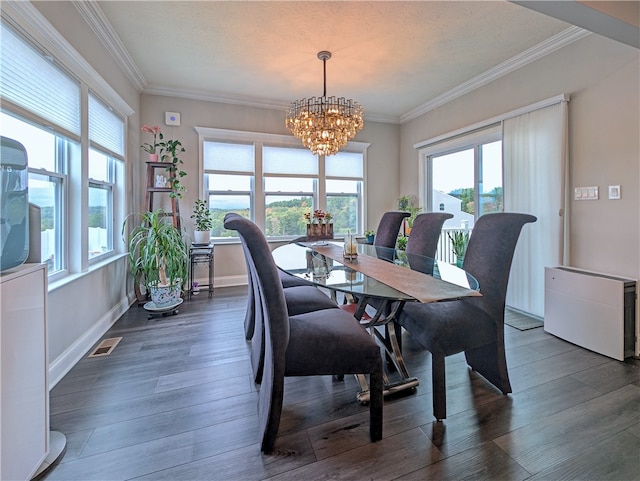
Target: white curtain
535,182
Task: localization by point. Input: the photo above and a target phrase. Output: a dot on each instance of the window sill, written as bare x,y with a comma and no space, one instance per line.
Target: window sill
68,279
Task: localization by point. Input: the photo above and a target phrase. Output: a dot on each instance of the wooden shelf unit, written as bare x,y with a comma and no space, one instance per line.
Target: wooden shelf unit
151,189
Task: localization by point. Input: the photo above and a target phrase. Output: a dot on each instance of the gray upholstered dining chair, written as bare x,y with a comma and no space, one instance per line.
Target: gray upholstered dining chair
388,228
299,298
474,325
425,233
324,342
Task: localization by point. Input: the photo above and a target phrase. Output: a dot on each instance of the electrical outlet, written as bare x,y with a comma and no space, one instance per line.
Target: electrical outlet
614,192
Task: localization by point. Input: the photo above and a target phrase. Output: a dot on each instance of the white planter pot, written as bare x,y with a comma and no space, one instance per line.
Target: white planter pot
201,237
165,296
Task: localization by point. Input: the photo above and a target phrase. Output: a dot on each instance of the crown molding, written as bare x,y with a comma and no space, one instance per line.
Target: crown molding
261,103
99,23
536,52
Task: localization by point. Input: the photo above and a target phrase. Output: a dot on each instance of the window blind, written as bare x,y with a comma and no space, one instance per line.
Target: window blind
228,157
34,83
105,128
279,160
345,164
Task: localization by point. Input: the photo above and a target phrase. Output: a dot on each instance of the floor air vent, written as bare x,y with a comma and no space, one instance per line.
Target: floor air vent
105,347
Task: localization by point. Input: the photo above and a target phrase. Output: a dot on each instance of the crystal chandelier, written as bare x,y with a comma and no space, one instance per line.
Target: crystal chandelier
324,124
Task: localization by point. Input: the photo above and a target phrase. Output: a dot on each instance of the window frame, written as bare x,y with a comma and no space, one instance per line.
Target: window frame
110,186
472,140
74,193
258,192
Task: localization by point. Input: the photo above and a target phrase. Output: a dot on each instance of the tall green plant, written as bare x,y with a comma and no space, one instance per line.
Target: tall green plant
158,253
459,240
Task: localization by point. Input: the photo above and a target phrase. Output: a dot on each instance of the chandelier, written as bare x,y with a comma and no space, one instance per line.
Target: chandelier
324,124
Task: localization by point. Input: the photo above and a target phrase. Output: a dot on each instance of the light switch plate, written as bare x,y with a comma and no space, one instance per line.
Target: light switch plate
585,193
172,118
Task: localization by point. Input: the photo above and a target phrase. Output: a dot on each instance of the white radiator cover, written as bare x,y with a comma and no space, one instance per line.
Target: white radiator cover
593,310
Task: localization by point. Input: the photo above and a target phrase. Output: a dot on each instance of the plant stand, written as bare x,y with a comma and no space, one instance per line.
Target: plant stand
161,311
200,255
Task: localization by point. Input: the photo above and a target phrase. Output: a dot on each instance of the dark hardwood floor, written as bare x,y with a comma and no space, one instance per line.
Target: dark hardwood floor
175,401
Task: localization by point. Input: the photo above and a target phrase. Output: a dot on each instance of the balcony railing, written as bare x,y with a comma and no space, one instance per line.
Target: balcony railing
444,251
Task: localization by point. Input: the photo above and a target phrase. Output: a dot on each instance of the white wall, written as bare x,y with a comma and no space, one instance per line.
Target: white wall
602,77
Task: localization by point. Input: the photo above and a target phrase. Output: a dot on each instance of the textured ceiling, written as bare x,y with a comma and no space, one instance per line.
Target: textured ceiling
392,57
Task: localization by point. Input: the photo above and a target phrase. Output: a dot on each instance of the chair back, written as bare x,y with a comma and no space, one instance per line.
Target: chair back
489,256
425,233
388,228
269,293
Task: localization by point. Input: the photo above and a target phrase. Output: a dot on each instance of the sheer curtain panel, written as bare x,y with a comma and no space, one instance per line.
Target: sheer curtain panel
535,182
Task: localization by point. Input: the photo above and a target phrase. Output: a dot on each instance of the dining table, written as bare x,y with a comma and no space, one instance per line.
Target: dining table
374,283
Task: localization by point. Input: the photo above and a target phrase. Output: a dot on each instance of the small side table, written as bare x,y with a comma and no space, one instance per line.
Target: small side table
200,254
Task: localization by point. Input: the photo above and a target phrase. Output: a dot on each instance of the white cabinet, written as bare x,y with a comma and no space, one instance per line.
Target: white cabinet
592,310
24,396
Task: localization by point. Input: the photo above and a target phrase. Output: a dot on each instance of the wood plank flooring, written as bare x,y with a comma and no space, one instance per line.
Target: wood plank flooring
175,401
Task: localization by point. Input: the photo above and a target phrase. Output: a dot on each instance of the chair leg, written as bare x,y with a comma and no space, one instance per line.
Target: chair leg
439,386
376,404
490,361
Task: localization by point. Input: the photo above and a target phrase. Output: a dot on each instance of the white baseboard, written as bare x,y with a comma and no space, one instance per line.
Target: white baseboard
63,363
226,281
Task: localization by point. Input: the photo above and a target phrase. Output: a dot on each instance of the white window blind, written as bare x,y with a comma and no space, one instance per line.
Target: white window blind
227,157
34,83
277,160
345,164
105,128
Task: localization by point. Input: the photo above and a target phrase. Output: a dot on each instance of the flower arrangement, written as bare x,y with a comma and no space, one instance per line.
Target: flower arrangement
318,217
157,135
319,225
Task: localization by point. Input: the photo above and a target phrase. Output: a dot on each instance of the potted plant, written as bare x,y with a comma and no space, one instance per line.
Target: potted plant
401,243
459,240
158,257
414,211
406,203
203,218
370,235
153,148
169,152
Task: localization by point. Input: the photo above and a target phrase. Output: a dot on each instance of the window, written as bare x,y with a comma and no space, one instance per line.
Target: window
290,177
47,160
106,133
101,186
464,177
228,180
344,178
43,103
274,181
